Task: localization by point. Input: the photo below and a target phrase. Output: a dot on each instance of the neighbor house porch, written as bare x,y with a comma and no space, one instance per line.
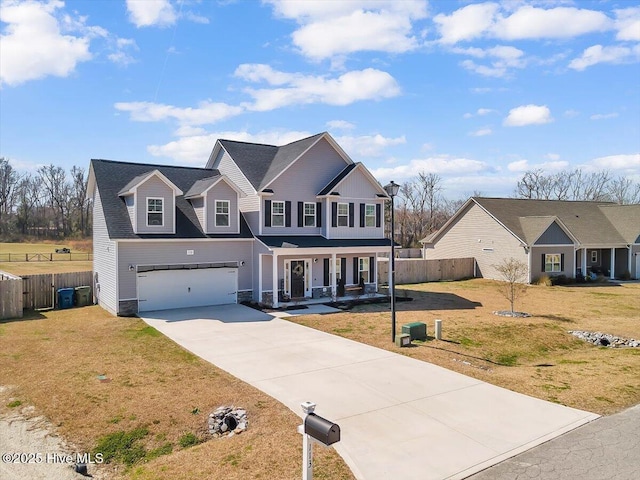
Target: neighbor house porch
610,262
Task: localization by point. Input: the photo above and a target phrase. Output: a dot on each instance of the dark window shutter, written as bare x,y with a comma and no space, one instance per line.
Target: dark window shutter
362,215
562,262
372,269
351,214
327,280
301,214
287,213
378,215
318,214
334,214
356,278
543,265
267,213
343,270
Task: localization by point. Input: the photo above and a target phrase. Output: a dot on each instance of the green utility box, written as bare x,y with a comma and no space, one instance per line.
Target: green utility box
83,296
416,330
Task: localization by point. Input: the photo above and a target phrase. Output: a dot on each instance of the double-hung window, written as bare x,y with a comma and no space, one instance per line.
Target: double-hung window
309,214
369,215
363,269
343,214
552,263
277,214
222,213
155,212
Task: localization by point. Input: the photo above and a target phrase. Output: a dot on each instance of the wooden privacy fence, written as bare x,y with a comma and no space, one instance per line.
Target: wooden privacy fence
37,291
417,270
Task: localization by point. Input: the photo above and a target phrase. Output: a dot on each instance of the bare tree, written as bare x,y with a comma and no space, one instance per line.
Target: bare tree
28,199
56,187
623,190
9,180
80,202
514,272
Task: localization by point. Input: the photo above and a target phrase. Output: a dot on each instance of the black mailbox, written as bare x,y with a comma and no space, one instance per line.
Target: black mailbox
321,429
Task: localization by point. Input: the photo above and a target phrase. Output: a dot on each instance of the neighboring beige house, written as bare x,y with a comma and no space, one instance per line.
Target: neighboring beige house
552,237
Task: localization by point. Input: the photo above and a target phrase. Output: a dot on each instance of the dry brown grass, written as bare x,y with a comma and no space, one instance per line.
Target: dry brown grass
54,360
535,355
61,263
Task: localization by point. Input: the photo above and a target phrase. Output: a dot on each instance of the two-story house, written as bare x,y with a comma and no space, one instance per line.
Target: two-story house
260,222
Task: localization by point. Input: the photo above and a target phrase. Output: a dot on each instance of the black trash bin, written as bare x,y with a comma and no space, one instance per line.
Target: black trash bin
83,296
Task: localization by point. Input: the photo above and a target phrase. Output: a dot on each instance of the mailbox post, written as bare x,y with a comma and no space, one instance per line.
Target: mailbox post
318,429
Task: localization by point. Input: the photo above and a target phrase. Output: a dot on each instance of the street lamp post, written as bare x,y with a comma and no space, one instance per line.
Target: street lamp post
392,190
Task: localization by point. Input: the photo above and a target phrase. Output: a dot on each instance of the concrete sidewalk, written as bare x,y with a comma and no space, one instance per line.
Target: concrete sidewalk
399,417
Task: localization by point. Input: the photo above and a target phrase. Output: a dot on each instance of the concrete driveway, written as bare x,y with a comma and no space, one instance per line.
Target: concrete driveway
399,417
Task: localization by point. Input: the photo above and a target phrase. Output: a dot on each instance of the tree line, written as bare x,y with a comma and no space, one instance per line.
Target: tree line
421,208
49,204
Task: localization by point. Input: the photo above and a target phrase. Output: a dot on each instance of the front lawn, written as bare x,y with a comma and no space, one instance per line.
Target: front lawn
117,386
534,355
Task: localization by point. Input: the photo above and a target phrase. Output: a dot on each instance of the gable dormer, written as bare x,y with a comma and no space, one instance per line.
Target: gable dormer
151,203
215,202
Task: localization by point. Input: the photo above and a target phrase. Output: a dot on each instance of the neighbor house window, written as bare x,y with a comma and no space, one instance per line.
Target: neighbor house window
594,256
222,213
309,214
343,214
363,269
552,263
277,214
370,216
155,212
338,269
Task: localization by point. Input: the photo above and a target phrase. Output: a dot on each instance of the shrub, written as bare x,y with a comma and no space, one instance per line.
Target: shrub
189,440
626,275
543,280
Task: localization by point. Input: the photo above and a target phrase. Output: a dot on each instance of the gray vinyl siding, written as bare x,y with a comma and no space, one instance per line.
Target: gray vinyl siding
175,252
356,185
536,260
302,181
477,234
222,191
198,208
554,235
104,260
156,188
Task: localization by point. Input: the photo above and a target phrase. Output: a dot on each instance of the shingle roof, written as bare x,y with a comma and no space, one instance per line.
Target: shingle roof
626,219
200,186
332,184
263,163
586,221
315,241
111,177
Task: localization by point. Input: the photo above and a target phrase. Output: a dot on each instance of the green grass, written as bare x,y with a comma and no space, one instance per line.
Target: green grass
189,440
123,446
14,404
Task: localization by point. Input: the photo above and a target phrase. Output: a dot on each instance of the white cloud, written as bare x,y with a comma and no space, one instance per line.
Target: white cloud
340,125
353,86
628,24
528,115
195,149
121,55
502,59
524,166
526,22
34,46
481,132
627,163
603,116
552,156
599,54
466,23
329,29
146,13
442,165
206,112
529,22
368,145
571,113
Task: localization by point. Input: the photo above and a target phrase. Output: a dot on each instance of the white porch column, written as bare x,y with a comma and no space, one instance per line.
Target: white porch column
260,278
334,278
629,260
613,264
584,262
274,269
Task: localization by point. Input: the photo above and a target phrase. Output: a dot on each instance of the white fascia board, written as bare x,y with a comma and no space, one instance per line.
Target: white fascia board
174,240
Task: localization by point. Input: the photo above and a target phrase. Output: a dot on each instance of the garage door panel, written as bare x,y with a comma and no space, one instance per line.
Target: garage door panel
165,289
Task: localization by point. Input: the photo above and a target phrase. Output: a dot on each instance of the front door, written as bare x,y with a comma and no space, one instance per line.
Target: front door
297,278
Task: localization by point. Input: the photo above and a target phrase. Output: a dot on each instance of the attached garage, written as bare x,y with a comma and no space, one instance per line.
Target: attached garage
163,289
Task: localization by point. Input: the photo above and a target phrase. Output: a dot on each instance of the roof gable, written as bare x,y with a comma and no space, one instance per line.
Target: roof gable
201,187
131,187
347,172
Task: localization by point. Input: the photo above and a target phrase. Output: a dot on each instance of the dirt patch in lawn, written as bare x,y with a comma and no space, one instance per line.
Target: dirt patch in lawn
93,375
536,355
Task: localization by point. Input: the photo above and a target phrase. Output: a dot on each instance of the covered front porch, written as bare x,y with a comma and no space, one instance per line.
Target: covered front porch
305,274
610,262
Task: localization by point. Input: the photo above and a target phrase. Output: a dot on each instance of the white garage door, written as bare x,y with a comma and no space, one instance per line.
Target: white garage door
165,289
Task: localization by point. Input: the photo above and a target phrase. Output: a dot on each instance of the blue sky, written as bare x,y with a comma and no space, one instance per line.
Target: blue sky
476,92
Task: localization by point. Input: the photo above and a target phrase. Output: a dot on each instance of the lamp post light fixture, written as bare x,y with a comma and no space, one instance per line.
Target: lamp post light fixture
392,190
